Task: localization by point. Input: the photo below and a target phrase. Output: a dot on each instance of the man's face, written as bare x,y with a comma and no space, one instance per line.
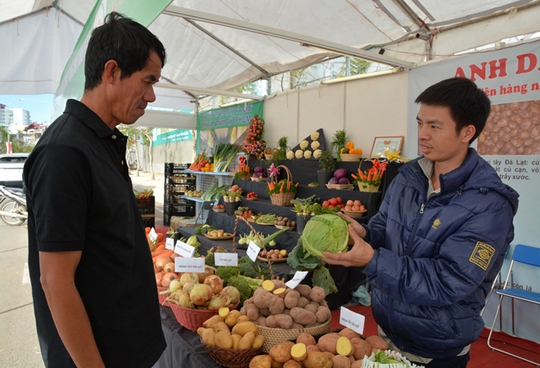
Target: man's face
437,136
132,94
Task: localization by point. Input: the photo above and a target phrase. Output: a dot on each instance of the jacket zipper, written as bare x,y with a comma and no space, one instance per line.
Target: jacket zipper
416,223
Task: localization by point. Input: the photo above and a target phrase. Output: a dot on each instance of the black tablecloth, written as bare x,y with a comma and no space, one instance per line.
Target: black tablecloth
184,348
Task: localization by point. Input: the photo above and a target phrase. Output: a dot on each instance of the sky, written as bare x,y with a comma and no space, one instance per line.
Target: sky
39,106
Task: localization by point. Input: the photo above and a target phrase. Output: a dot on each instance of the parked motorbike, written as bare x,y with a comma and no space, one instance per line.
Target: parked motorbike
13,206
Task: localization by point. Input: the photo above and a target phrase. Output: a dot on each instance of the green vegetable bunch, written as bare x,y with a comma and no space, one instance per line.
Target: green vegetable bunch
339,140
307,206
201,230
224,153
246,286
300,260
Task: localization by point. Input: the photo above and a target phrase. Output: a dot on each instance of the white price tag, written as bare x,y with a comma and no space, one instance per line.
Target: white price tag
189,264
226,259
354,321
152,235
297,279
169,243
184,249
252,251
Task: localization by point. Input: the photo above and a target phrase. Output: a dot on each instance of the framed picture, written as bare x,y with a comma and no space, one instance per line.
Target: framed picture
382,143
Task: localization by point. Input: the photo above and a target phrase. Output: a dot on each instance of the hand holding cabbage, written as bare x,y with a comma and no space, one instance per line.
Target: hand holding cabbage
359,255
325,236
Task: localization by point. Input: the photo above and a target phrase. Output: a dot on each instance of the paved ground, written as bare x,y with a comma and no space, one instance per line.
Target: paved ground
18,340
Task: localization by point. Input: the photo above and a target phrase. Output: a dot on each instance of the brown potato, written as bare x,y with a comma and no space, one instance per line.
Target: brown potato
361,348
281,352
246,342
351,334
317,359
341,361
261,361
377,342
328,342
306,339
292,364
244,327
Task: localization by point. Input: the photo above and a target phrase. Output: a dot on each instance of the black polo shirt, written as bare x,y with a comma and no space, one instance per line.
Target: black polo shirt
80,197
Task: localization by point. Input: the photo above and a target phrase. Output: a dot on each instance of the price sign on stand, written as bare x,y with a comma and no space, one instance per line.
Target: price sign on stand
169,243
354,321
152,235
226,259
297,279
189,264
184,249
253,251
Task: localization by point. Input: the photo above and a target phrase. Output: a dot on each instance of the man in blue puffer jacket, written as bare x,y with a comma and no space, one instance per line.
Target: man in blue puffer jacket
438,241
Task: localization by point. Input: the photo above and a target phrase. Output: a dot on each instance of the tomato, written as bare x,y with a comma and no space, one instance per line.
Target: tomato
330,207
325,204
333,202
339,200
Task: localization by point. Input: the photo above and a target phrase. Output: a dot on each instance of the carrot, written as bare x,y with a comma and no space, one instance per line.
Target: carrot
164,252
159,247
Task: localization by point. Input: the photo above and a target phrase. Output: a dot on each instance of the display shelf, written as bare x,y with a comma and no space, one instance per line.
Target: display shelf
211,173
194,199
176,183
206,179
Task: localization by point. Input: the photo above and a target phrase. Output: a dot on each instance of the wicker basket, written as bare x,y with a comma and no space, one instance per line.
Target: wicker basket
349,157
190,318
258,180
340,186
162,297
354,214
274,336
231,358
282,199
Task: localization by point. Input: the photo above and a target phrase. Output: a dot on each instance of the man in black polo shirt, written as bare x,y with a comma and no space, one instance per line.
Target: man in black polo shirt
93,285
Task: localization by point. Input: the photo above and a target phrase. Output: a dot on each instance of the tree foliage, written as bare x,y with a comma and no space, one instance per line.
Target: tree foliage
17,145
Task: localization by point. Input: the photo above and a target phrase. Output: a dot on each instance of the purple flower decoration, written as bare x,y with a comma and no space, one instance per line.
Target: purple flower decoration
274,171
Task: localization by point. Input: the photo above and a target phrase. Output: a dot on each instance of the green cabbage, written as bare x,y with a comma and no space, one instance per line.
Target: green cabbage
326,232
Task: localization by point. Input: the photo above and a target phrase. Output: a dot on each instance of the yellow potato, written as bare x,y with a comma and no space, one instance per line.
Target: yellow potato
244,327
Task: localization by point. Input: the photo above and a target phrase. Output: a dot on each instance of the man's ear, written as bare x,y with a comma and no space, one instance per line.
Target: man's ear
111,72
468,133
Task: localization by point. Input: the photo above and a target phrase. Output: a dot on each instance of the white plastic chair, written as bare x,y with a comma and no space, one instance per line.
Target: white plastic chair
527,255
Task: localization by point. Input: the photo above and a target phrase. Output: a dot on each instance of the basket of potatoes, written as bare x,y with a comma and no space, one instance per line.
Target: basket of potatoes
231,339
340,349
282,313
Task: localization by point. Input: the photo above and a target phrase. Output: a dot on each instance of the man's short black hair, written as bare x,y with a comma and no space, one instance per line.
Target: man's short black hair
468,104
123,40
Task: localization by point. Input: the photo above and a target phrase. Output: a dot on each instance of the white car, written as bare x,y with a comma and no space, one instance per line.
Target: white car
11,169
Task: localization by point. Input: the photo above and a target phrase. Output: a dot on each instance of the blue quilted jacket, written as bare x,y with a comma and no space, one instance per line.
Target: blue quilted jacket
435,259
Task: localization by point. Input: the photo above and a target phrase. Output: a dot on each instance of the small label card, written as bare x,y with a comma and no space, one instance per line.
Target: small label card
189,264
354,321
184,249
226,259
169,243
297,279
152,235
252,251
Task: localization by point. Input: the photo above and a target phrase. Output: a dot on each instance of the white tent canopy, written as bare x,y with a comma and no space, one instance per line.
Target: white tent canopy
214,46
